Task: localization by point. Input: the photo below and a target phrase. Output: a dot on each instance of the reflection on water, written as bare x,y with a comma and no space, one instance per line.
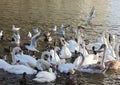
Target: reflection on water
28,14
44,14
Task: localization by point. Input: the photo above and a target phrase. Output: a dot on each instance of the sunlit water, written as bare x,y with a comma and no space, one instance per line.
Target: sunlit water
44,14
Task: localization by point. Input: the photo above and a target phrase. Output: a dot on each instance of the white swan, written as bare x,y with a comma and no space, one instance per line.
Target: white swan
95,68
22,57
73,45
33,42
42,64
16,69
45,76
65,52
89,58
68,67
53,57
14,28
110,53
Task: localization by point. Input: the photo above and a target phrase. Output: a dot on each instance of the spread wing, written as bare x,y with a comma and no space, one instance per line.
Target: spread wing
34,40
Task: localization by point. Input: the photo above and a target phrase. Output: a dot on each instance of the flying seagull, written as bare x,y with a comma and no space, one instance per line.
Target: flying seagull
33,42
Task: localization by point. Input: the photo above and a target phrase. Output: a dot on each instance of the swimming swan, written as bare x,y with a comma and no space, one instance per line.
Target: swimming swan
65,52
16,69
45,76
95,68
42,64
22,57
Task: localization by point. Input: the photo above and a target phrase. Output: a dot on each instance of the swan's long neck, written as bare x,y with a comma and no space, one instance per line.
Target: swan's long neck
13,58
79,38
84,49
117,51
82,61
110,46
105,41
103,57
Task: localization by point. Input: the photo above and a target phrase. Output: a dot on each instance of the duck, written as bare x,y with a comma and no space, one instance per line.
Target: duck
8,49
45,76
48,37
16,69
23,81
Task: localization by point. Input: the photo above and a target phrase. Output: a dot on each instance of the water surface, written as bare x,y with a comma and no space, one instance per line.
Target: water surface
44,14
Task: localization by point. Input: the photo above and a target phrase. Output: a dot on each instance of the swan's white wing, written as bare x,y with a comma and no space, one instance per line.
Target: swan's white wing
20,69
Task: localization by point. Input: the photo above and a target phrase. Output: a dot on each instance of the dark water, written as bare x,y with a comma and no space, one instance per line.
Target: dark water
44,14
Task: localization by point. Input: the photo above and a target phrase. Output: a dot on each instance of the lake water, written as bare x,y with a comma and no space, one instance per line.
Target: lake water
44,14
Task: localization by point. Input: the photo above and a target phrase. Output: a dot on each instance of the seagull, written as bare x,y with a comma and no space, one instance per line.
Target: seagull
35,30
29,35
62,30
33,42
1,34
62,27
74,31
91,14
14,28
54,29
